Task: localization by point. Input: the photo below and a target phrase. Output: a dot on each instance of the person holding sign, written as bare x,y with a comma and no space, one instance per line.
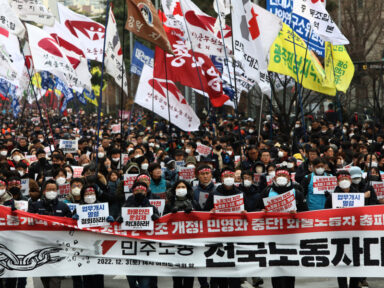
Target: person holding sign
362,185
14,187
158,183
251,192
205,187
75,195
180,198
314,201
282,184
140,199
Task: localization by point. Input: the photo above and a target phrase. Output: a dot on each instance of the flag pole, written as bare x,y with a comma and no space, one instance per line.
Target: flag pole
122,84
261,112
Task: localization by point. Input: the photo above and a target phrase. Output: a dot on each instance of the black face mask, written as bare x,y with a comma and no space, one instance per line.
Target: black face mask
55,166
42,161
374,178
15,190
139,197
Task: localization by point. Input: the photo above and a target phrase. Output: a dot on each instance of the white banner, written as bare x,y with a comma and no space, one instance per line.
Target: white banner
137,218
68,146
324,183
285,202
92,215
229,204
347,200
332,242
10,21
153,94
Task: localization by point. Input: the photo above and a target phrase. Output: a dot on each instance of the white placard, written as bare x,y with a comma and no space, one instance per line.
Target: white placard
137,218
324,183
229,204
25,186
68,146
347,200
93,215
203,196
186,173
21,205
129,179
159,204
285,202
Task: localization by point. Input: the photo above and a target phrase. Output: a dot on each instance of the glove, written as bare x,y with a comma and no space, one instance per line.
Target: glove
13,207
327,194
155,217
174,209
110,219
119,219
188,210
75,217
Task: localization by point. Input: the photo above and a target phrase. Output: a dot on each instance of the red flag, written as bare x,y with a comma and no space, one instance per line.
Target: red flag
181,68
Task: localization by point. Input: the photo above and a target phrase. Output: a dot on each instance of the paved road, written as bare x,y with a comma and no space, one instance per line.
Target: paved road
166,282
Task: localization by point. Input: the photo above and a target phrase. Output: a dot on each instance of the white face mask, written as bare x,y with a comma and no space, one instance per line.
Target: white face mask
319,171
247,183
272,173
229,181
344,184
187,150
41,140
138,156
297,125
60,180
290,165
230,152
90,199
17,158
144,166
50,195
130,149
76,191
356,180
69,175
251,131
85,164
21,173
116,159
280,154
151,144
4,153
281,181
181,192
2,192
100,155
190,166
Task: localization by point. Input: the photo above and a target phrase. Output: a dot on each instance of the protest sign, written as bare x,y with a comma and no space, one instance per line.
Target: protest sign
64,191
347,200
203,196
31,158
77,170
68,146
21,205
229,204
125,158
186,173
324,183
125,115
269,180
73,207
93,215
179,164
116,128
212,245
379,189
159,204
237,160
137,218
25,187
129,179
203,149
285,202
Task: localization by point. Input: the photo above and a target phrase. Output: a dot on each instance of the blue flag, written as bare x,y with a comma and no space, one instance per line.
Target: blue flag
283,9
141,55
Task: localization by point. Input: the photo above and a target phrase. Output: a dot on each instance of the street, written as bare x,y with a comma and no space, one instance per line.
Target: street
165,282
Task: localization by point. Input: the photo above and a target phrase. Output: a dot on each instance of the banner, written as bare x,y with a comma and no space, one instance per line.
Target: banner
129,179
334,242
68,146
186,173
229,204
10,21
285,202
379,189
324,183
203,149
141,55
33,11
282,60
345,200
64,191
153,94
283,9
93,215
137,218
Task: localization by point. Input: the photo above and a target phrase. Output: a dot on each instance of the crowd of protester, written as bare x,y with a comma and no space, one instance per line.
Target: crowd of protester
324,147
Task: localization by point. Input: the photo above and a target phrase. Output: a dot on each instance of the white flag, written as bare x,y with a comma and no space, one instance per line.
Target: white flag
12,61
320,20
10,20
74,52
153,93
48,56
89,33
114,63
254,32
33,11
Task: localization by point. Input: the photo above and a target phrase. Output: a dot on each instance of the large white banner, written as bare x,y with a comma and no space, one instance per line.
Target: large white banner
335,242
153,94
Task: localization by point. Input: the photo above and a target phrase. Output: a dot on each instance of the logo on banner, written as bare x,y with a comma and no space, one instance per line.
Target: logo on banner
93,31
163,86
253,25
50,45
105,246
10,261
146,12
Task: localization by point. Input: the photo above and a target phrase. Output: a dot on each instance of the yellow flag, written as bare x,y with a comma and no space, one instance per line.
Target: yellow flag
339,68
282,60
36,80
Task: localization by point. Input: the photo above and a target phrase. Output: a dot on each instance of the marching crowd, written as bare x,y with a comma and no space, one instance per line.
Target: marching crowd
351,150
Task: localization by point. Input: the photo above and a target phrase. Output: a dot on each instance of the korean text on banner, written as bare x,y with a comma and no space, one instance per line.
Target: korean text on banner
129,179
68,146
93,215
324,183
285,202
137,218
347,200
379,189
229,204
186,173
